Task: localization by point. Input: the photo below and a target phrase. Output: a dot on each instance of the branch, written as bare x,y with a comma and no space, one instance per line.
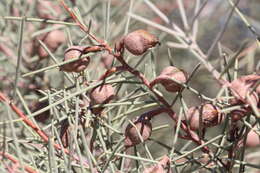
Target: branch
27,121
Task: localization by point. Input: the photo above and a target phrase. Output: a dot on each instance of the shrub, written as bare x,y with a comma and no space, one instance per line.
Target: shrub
128,86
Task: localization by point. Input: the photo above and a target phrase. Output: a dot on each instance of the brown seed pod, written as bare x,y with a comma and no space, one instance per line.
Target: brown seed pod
209,114
234,101
44,116
42,53
75,52
168,77
143,126
258,89
101,95
139,41
45,9
242,86
107,60
253,139
240,113
52,40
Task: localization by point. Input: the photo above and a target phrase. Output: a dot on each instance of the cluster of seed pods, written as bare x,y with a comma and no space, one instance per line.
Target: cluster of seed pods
171,78
246,95
137,43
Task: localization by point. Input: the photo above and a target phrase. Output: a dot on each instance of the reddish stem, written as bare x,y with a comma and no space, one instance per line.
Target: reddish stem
84,28
27,121
15,161
119,56
111,71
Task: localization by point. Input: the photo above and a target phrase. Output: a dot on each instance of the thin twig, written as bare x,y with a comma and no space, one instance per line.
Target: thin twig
27,121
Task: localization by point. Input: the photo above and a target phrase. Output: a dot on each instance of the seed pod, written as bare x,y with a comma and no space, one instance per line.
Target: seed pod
169,78
107,60
44,9
258,89
143,126
52,40
75,52
139,41
240,113
209,114
101,95
242,86
253,139
44,116
42,53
